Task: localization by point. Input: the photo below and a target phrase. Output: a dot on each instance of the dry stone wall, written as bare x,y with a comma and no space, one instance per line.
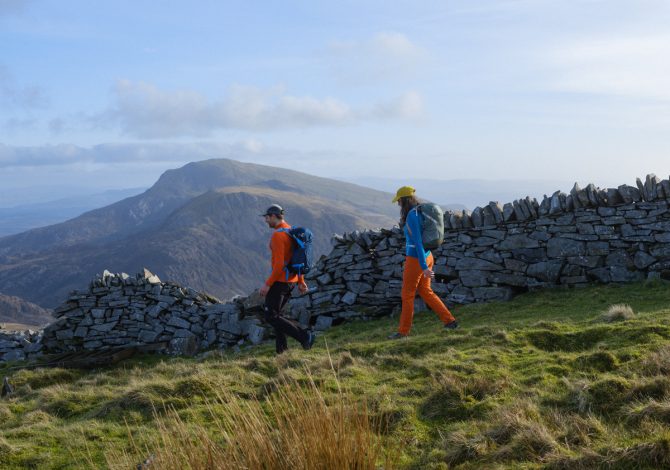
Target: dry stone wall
121,310
590,235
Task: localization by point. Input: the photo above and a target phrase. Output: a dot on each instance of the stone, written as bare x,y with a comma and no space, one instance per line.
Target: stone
15,355
497,234
183,346
547,271
586,261
613,197
349,298
642,260
519,214
256,334
477,264
623,274
496,211
492,293
661,251
81,332
178,322
473,278
555,204
64,334
530,255
508,279
148,336
150,277
662,237
477,217
324,279
628,193
253,301
515,265
358,287
561,247
619,258
614,220
323,322
98,312
508,213
518,241
599,274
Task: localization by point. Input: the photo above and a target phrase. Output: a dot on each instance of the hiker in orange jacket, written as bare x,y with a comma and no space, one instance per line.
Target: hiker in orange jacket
418,270
278,286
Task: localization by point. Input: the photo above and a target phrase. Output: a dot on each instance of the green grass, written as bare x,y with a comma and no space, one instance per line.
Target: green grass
543,381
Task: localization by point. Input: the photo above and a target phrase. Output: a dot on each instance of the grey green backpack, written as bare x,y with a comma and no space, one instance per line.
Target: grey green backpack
432,225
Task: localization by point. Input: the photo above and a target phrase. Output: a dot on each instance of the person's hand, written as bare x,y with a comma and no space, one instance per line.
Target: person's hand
264,290
429,273
302,287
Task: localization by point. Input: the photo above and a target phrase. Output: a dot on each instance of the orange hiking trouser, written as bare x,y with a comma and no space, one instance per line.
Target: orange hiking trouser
414,281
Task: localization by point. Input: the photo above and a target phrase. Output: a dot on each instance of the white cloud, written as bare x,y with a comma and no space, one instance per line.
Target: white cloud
145,111
633,66
113,154
15,96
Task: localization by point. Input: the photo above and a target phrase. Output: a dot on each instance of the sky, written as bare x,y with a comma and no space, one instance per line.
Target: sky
109,95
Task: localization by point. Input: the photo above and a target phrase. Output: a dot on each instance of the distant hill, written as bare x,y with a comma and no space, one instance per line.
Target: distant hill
16,310
199,225
458,194
20,218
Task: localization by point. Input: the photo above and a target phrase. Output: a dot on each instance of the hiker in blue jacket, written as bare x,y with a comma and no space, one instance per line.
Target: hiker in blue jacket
418,271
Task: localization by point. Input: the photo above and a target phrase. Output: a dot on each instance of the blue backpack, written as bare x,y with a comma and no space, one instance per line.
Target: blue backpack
302,258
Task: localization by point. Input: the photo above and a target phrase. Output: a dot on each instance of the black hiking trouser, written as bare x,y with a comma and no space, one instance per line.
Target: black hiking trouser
275,301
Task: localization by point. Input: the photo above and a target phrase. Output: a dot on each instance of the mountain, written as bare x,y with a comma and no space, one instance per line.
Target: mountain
16,310
20,218
199,225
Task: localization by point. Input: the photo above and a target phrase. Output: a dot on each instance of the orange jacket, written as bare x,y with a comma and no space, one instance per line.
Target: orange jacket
281,246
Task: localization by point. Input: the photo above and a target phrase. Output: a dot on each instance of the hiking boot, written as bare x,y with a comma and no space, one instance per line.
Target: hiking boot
396,335
307,345
452,325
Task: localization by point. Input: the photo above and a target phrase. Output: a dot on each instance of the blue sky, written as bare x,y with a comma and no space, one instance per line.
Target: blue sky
111,94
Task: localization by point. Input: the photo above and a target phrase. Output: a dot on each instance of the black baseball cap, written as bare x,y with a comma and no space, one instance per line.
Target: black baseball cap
274,209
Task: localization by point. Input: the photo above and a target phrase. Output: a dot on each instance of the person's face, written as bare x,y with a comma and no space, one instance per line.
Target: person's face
271,220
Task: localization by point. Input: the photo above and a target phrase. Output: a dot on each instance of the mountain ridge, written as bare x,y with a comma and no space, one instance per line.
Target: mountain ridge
198,225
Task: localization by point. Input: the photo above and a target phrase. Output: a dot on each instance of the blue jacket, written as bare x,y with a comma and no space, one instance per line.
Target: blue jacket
413,241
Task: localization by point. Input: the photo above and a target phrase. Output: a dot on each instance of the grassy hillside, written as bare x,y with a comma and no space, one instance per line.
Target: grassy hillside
544,381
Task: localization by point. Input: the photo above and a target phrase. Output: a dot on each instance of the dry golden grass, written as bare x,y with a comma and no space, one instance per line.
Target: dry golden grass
295,427
658,362
618,312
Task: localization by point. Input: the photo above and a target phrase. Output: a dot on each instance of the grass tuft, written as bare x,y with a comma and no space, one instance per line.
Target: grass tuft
5,448
618,312
458,397
651,410
658,362
601,361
